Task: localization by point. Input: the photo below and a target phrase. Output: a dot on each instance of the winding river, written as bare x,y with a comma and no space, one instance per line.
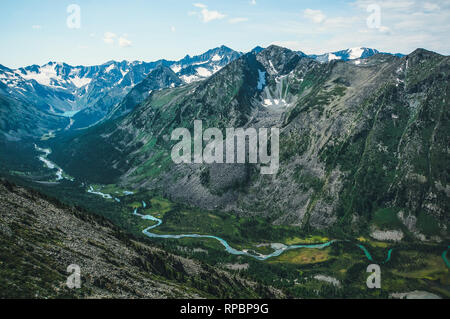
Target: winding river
49,164
444,256
278,248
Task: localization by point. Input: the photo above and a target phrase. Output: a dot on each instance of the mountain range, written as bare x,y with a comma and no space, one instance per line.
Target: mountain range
349,54
88,93
358,138
363,176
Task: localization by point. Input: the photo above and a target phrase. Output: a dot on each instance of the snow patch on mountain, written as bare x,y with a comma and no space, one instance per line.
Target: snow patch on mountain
347,55
216,57
47,75
355,53
332,57
176,68
204,72
110,68
80,82
189,78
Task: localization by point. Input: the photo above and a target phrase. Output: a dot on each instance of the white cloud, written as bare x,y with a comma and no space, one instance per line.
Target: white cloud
315,16
109,37
431,6
173,29
124,42
386,4
36,27
384,29
200,5
237,20
207,15
396,4
211,15
406,25
253,2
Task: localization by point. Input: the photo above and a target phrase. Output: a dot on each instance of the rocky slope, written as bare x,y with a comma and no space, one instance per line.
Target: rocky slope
361,141
160,78
40,238
20,119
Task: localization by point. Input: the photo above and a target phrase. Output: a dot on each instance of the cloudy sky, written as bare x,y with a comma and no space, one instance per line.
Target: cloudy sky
95,31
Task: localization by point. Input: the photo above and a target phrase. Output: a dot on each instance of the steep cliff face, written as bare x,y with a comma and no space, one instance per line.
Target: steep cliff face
21,120
363,137
359,139
40,238
160,78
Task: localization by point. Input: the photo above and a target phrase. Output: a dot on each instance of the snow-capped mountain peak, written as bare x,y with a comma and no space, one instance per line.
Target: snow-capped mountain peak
195,68
60,88
346,55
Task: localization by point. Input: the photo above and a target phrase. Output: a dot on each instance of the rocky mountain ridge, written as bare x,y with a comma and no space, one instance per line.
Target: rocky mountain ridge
40,237
88,93
354,136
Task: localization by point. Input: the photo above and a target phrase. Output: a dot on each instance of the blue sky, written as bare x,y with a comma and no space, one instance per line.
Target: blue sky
36,31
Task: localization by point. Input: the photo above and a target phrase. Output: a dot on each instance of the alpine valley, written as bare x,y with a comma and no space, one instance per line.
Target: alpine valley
88,178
